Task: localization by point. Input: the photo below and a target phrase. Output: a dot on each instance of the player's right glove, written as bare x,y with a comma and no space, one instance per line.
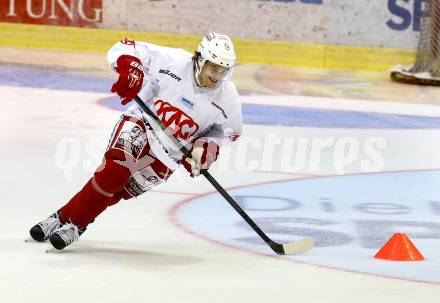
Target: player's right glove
203,153
130,80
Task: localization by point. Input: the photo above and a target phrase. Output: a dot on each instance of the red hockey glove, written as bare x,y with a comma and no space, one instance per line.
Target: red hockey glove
131,75
204,152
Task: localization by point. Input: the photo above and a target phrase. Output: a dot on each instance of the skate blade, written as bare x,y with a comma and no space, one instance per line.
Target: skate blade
31,240
51,249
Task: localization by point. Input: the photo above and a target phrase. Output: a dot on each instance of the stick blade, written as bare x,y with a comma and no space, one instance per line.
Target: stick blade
298,247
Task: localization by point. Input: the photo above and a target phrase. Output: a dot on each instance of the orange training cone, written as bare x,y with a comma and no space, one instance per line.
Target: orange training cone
399,248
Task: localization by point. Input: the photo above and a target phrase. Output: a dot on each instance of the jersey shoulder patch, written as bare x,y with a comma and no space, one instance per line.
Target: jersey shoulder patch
127,41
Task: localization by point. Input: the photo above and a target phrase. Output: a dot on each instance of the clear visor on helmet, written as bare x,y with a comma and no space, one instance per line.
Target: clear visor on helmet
215,71
209,74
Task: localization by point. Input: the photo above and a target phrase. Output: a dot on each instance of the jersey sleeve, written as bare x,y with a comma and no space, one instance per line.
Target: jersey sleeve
152,57
124,47
145,52
148,53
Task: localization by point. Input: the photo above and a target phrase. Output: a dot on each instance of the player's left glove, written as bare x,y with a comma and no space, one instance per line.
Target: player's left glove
130,80
204,152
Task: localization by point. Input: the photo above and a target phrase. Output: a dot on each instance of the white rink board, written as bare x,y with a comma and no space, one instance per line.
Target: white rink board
375,23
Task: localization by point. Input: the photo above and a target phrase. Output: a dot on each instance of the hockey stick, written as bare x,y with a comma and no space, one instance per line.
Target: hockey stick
295,247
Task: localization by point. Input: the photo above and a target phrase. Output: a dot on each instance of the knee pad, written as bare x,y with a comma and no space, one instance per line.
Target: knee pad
112,175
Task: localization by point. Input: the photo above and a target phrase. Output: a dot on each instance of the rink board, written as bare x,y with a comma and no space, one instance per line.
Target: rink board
248,51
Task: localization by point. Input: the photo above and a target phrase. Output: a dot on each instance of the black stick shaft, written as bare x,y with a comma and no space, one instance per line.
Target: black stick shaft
278,248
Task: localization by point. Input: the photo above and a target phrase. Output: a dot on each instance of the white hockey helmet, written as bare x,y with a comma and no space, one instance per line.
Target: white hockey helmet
218,49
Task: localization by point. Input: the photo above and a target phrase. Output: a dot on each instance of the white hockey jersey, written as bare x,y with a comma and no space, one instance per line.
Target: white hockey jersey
171,92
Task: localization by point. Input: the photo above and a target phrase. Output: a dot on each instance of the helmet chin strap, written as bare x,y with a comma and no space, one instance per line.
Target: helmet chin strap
198,69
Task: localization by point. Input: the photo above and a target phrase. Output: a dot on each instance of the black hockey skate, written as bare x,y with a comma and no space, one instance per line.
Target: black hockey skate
43,230
65,235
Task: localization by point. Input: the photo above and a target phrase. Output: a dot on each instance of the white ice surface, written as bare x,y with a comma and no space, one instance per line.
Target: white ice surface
133,253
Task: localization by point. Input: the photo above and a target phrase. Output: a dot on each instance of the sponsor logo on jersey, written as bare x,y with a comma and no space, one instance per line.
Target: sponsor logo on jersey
169,73
175,120
137,65
188,103
221,109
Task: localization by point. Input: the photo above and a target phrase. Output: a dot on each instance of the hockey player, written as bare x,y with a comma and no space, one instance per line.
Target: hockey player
194,98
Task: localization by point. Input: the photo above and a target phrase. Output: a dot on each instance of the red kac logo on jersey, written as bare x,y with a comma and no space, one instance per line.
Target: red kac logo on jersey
178,122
